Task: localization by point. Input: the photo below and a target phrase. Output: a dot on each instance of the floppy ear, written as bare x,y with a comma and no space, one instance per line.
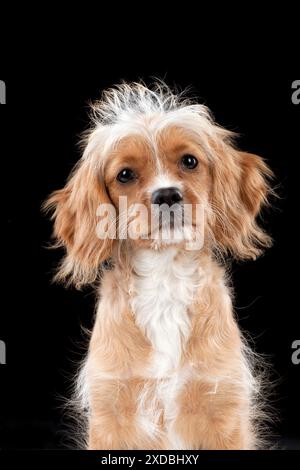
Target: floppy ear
74,213
239,190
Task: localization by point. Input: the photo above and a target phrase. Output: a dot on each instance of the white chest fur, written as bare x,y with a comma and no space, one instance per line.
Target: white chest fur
162,290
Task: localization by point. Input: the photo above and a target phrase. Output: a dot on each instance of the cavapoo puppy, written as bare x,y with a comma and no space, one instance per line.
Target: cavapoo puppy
158,200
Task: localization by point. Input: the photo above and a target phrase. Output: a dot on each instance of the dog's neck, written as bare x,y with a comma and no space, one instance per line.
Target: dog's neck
162,287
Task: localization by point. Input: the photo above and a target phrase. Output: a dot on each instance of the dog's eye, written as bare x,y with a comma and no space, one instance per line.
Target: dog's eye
189,161
126,175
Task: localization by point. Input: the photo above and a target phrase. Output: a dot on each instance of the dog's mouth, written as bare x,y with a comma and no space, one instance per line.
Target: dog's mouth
164,219
171,226
172,222
162,223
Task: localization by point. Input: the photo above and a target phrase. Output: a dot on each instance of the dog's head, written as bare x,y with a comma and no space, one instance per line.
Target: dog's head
156,170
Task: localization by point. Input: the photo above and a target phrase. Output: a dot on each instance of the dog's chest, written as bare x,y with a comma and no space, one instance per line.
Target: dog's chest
162,290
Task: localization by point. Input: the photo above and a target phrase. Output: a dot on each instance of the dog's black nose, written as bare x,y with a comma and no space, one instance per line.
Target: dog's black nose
167,196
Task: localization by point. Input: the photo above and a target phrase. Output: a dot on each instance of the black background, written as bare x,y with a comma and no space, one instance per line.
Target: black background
46,110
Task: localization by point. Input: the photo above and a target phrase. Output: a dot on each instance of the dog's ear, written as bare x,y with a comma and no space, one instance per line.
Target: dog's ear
75,220
240,189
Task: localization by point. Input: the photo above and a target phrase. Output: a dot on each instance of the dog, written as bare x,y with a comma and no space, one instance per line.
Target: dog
167,366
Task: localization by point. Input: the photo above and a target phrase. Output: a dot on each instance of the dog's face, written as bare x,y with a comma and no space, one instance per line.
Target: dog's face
164,179
147,158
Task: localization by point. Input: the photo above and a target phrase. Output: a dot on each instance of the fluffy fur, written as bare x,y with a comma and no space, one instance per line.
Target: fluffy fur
167,367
